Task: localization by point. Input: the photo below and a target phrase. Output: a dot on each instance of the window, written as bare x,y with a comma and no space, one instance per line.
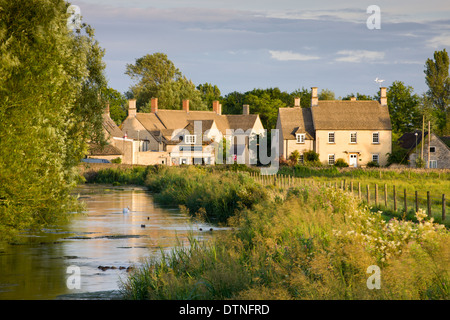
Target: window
190,138
300,137
375,158
375,137
432,149
301,159
433,164
331,159
353,137
330,137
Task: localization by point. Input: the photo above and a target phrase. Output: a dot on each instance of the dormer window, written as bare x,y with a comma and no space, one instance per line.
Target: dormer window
190,139
300,137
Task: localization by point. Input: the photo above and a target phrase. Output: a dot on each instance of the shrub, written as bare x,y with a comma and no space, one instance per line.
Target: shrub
116,160
373,164
311,156
340,163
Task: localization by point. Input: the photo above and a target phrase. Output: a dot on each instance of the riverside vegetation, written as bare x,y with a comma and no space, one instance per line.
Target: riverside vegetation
308,242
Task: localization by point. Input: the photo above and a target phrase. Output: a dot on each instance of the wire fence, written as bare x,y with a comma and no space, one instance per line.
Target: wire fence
382,196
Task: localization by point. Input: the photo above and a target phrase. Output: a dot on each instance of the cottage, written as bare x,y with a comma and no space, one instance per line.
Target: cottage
356,131
175,137
433,149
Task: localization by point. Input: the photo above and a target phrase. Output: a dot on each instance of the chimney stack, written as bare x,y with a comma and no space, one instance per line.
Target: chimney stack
107,108
217,107
246,109
353,99
383,98
186,105
132,108
297,102
314,97
154,105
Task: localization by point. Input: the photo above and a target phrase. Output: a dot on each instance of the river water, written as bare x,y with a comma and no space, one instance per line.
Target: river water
98,248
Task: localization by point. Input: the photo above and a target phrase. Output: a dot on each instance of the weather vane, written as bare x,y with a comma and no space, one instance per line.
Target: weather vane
378,81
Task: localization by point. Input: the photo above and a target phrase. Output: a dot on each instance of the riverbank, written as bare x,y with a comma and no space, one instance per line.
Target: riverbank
308,243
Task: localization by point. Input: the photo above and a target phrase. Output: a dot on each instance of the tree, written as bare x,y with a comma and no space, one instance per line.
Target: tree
156,76
304,95
404,107
358,96
209,93
50,106
117,104
326,94
438,81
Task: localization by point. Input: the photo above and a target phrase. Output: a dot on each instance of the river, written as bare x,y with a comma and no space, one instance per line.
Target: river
99,247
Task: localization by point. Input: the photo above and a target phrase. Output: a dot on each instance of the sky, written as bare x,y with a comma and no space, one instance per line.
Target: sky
240,45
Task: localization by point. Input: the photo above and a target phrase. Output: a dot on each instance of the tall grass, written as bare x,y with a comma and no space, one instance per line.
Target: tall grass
316,244
208,194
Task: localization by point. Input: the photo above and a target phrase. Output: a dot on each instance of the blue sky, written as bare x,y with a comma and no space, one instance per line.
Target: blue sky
242,45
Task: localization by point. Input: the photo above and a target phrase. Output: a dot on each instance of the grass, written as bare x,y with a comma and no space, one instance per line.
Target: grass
317,243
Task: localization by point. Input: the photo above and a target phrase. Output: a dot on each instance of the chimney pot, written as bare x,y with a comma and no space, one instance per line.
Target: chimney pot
297,102
186,105
314,97
154,105
245,109
132,108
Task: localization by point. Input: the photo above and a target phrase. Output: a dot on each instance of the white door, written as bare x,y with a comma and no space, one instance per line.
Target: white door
353,160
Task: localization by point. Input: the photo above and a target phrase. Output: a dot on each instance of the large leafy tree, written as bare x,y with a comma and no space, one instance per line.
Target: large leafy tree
209,93
156,76
50,107
438,81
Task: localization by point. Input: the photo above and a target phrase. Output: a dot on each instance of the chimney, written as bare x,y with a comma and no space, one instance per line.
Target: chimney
297,102
353,99
314,97
186,105
383,98
154,105
132,108
245,109
107,108
217,107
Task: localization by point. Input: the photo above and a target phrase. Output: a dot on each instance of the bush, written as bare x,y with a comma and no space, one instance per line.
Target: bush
117,160
340,163
373,164
311,156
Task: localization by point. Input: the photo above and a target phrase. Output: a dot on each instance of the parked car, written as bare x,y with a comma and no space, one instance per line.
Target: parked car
92,160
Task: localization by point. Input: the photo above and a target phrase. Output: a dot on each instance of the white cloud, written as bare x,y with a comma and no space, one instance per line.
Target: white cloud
290,56
358,56
438,41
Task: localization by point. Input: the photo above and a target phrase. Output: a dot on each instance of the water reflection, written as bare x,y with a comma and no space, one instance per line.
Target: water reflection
105,236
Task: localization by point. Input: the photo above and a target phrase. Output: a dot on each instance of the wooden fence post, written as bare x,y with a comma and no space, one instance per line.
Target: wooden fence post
359,190
406,205
395,200
385,195
443,208
417,201
351,186
429,204
368,194
376,194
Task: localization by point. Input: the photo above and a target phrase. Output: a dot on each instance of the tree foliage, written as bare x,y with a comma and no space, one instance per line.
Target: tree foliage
156,76
438,81
50,106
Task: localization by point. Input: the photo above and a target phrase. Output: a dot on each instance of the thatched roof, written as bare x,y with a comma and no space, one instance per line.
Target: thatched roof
296,120
350,115
111,127
107,150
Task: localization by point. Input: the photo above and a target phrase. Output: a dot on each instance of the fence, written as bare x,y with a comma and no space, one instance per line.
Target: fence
381,196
